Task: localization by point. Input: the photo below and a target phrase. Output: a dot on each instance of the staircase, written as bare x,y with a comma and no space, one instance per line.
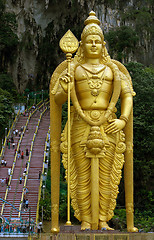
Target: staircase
36,164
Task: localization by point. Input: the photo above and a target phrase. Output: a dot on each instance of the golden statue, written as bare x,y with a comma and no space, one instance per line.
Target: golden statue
94,141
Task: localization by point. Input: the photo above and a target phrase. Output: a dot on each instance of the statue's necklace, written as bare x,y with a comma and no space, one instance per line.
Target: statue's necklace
94,81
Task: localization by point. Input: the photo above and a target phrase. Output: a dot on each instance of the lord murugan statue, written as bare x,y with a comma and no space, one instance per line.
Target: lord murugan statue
97,143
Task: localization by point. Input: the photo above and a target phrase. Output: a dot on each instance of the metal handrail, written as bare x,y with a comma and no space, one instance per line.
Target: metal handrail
14,162
40,187
29,159
10,131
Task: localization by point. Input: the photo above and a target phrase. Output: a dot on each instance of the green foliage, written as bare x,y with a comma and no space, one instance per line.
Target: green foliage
8,96
118,222
46,203
5,109
64,115
143,220
6,83
8,38
63,201
142,16
2,6
121,41
143,82
46,57
48,181
139,31
63,204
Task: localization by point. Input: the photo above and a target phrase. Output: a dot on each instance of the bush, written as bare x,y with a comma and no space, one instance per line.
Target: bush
121,41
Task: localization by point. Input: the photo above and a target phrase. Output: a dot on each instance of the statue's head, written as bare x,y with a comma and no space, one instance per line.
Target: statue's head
92,33
92,27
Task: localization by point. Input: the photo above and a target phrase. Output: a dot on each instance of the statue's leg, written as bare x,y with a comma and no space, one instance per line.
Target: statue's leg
83,167
128,175
105,168
83,185
79,172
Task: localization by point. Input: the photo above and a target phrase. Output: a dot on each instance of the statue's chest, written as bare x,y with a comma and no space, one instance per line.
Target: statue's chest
93,82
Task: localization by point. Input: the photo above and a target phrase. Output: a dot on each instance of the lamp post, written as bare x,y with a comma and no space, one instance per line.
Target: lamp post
12,116
34,98
29,220
43,187
27,100
1,222
42,94
5,132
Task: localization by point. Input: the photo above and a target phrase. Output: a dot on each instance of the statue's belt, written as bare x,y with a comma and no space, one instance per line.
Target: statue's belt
94,115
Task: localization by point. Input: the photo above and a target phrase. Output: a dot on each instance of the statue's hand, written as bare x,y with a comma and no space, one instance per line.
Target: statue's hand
115,126
64,80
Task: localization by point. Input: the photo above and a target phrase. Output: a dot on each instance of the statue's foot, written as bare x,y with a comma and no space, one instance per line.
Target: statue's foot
104,226
85,225
55,230
132,229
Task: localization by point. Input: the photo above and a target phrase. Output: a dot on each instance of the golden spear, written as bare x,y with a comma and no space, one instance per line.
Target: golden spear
69,45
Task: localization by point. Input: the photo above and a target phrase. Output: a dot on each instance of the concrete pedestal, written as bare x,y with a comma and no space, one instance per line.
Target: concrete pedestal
75,233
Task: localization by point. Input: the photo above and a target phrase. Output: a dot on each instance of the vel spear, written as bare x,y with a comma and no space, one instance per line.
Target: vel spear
69,45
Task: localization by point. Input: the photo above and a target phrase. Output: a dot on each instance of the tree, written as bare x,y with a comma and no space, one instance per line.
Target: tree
8,37
121,41
6,109
6,83
143,82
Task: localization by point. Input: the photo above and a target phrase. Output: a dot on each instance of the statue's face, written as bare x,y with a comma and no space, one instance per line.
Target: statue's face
92,46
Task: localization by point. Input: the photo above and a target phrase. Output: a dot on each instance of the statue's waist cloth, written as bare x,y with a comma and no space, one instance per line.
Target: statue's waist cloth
110,166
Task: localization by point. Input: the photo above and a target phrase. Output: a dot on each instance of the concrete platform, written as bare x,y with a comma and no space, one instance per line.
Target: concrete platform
96,236
103,236
84,236
13,236
74,233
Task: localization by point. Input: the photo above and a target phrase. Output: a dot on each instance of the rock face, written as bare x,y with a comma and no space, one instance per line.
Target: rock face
35,16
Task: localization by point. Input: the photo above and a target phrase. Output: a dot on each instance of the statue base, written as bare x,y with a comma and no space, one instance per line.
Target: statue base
102,236
74,233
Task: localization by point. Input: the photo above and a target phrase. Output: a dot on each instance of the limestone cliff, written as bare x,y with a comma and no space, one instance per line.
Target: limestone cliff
41,24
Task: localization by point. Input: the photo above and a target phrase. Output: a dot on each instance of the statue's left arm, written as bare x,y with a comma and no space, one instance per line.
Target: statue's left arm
126,121
126,107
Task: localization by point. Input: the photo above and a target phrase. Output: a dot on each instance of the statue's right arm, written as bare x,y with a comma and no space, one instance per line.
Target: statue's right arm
62,91
60,96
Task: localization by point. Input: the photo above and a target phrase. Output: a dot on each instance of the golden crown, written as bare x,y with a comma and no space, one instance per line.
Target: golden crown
92,26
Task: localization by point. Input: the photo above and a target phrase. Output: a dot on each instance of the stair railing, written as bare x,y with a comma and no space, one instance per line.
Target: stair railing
29,160
15,158
43,172
13,166
12,127
8,135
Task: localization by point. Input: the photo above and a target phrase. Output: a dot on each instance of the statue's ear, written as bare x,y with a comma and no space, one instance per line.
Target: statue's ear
81,43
